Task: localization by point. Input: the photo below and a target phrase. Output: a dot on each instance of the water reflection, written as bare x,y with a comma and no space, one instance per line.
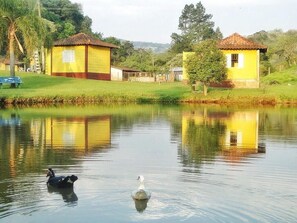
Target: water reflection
140,205
12,120
82,133
31,145
188,153
207,134
79,135
68,194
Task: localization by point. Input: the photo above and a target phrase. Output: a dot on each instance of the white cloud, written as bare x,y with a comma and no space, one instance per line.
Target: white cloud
227,3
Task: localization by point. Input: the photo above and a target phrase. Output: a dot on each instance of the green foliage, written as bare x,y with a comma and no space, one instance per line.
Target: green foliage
24,29
142,60
3,36
86,25
195,26
67,29
282,49
207,64
176,61
181,43
286,47
202,140
288,76
120,54
196,23
67,17
165,62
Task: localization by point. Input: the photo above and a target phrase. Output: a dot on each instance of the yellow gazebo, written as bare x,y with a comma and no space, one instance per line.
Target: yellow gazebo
80,56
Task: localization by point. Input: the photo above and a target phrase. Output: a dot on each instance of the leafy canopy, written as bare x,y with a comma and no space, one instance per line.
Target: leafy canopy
207,64
24,29
67,16
195,26
282,49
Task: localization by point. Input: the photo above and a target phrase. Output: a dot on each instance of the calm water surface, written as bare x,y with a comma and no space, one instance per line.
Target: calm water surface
202,164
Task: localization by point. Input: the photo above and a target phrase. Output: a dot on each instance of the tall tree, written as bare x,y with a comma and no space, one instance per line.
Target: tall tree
207,65
21,22
180,43
195,26
67,16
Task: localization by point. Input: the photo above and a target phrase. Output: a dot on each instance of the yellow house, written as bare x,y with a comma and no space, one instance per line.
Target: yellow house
243,61
80,56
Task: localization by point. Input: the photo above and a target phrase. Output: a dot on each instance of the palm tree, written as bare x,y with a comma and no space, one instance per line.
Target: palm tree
24,28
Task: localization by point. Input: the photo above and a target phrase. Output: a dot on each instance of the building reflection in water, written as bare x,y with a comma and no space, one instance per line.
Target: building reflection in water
28,144
231,134
77,133
241,136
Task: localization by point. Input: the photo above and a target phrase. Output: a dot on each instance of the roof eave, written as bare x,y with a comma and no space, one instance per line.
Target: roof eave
87,44
263,50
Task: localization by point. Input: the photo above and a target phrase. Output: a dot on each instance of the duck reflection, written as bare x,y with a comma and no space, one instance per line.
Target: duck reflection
68,194
140,205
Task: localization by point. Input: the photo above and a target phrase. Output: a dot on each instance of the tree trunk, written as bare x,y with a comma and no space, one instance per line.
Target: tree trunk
204,89
11,53
42,60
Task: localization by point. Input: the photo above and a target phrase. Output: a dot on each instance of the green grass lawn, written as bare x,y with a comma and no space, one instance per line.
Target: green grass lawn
38,88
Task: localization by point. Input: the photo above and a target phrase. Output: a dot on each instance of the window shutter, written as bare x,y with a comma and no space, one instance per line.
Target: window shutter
240,60
228,57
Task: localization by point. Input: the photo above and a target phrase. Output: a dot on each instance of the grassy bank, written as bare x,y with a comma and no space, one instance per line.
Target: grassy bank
38,88
277,88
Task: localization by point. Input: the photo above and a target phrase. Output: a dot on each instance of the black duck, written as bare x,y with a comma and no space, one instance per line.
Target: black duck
60,181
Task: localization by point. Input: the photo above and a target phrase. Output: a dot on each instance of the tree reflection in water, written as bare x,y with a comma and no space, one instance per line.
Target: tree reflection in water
201,142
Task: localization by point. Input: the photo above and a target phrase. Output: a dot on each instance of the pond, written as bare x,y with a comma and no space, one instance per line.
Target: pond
201,164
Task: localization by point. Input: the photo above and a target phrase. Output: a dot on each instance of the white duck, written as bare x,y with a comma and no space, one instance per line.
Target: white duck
141,193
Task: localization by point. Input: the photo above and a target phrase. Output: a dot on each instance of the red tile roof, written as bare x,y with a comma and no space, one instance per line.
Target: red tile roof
238,42
83,39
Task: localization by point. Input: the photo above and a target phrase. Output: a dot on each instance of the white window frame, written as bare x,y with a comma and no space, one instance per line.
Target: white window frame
240,60
228,58
68,56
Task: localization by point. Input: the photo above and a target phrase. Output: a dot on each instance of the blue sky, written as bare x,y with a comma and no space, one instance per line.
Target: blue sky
156,20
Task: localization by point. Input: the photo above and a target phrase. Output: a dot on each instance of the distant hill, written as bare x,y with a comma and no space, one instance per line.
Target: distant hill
155,47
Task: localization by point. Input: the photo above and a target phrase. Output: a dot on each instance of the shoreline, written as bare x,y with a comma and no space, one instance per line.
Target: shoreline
45,90
104,99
